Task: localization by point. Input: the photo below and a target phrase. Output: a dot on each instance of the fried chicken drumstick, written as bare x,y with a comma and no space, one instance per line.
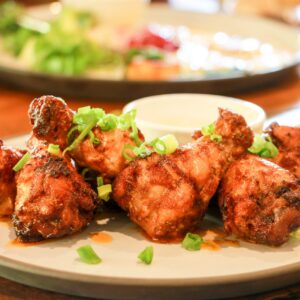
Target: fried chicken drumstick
8,158
52,120
287,140
260,201
52,199
167,195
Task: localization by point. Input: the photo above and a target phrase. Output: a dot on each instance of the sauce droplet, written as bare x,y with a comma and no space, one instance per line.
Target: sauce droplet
210,245
101,237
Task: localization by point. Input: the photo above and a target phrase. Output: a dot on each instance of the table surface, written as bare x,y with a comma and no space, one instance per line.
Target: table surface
14,121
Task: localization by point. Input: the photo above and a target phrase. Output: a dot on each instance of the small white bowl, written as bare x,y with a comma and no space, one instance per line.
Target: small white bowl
182,114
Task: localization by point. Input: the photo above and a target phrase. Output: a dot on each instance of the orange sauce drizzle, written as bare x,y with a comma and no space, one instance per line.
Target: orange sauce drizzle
101,237
210,245
214,239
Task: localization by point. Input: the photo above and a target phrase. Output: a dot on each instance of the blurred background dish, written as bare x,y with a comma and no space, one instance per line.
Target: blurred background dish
183,114
72,52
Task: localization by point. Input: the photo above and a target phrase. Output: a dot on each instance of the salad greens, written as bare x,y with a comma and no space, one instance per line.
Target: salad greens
62,47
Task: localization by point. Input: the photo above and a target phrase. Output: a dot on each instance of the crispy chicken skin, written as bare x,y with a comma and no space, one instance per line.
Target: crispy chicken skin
287,139
167,195
52,119
8,158
107,157
52,198
260,201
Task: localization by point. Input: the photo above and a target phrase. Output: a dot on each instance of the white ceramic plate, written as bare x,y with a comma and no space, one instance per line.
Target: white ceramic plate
175,272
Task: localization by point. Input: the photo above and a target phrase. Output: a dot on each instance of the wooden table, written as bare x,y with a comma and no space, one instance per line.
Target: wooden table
14,121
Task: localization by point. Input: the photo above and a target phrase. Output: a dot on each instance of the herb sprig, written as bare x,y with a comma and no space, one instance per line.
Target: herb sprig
263,146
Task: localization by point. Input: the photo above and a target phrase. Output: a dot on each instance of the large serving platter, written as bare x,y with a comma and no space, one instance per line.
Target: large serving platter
277,34
174,272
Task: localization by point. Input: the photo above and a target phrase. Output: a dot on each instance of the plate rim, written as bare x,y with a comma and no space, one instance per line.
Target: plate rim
135,281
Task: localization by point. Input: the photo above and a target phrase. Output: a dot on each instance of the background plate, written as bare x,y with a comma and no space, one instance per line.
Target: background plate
175,272
273,32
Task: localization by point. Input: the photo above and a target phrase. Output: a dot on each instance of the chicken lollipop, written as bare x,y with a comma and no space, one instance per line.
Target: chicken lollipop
167,195
287,139
260,201
52,199
92,138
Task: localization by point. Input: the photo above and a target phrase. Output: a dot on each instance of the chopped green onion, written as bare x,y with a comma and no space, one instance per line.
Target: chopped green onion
88,255
142,151
216,137
86,115
164,145
20,164
104,191
295,234
125,120
71,132
209,130
125,153
108,122
170,143
158,146
135,134
94,140
192,242
86,118
81,136
146,256
99,181
53,149
263,146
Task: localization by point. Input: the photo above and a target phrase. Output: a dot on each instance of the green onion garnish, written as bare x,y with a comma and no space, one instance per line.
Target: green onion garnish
158,146
86,118
99,181
125,153
163,145
88,255
192,242
263,146
146,256
94,140
295,234
170,142
81,136
104,191
209,130
108,122
20,164
53,149
135,134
